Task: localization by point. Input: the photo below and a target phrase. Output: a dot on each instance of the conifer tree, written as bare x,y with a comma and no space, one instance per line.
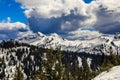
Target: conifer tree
68,75
86,70
59,66
109,61
114,58
18,73
52,67
76,71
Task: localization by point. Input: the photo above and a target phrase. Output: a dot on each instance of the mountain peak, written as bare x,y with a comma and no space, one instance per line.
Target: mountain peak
54,35
40,34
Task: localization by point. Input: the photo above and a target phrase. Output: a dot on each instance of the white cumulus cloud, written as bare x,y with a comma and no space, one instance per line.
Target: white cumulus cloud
52,8
83,34
12,26
70,15
10,29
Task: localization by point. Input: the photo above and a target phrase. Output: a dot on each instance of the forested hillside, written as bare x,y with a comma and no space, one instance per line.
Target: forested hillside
21,61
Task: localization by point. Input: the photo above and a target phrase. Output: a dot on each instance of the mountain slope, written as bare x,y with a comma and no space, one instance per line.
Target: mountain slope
91,45
13,53
111,74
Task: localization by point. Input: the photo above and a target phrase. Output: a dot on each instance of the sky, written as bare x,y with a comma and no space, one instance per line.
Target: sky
9,8
20,17
12,9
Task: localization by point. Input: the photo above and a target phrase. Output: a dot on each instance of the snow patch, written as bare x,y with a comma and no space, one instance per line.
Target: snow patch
111,74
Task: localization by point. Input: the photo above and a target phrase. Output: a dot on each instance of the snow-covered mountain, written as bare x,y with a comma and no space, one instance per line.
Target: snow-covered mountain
12,52
87,41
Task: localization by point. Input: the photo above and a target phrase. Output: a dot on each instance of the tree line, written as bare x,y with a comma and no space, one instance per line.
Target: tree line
53,68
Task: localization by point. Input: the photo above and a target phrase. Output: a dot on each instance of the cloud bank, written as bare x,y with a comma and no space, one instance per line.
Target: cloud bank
59,16
63,16
9,30
108,16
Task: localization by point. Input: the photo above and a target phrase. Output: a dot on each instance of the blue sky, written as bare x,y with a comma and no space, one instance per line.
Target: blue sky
12,9
87,1
9,8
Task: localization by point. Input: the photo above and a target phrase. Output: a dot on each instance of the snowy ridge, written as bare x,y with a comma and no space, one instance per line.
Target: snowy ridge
91,45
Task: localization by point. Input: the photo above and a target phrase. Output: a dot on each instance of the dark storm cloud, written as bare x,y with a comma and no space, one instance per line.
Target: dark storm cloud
52,25
108,21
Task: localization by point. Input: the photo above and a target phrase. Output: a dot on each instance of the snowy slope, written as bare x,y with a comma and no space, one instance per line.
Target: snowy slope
111,74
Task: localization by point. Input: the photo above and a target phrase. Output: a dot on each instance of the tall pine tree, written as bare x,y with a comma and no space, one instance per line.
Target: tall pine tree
18,74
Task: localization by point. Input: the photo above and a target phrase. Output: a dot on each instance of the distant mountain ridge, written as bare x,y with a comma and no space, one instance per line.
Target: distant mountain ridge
92,45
